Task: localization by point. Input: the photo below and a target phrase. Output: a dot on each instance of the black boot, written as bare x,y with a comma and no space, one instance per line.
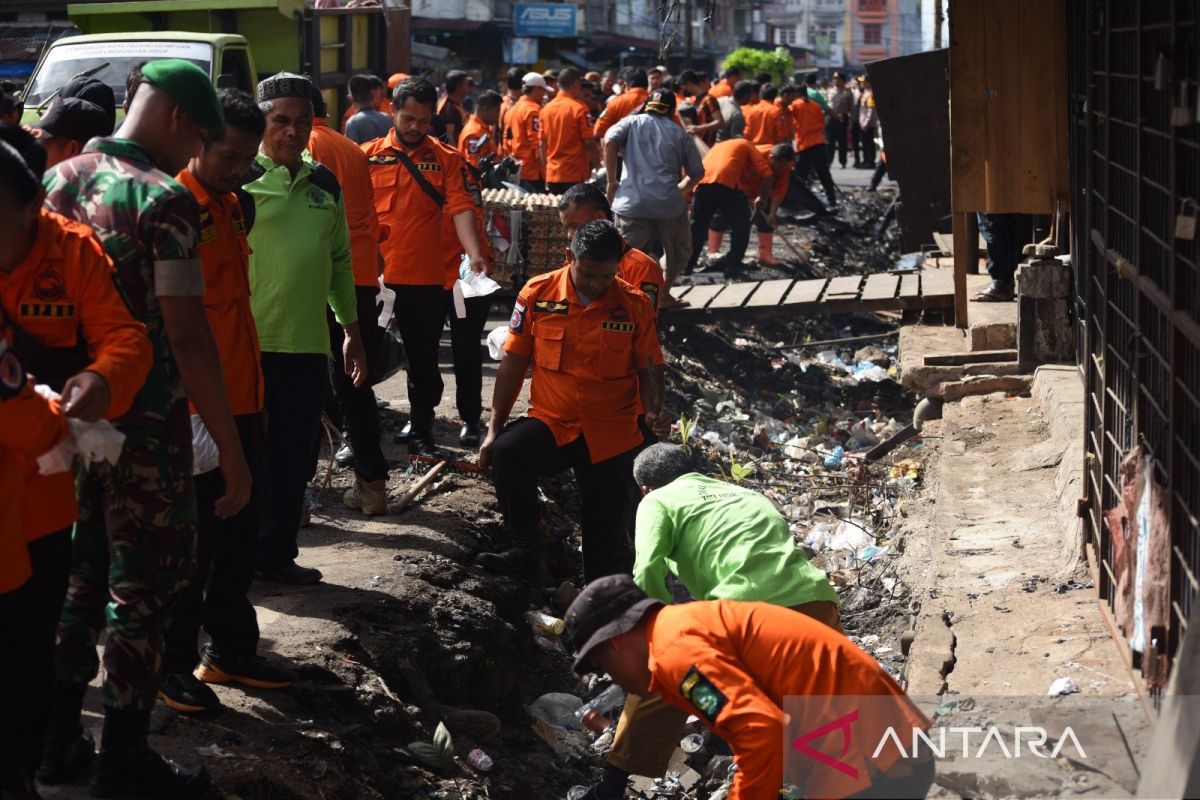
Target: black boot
420,442
67,750
127,767
470,434
404,434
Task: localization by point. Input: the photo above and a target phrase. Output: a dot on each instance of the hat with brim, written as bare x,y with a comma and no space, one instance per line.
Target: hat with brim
534,79
661,102
73,118
608,607
190,88
94,91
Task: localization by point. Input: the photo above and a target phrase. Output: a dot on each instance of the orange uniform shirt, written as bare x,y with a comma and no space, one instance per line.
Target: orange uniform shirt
644,273
618,108
780,186
477,140
65,289
766,123
732,664
454,248
413,253
565,129
707,110
29,426
585,360
349,166
523,137
738,164
722,88
225,258
808,123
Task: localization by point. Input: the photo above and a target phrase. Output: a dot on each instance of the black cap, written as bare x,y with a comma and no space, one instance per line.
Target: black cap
608,607
811,79
661,102
94,91
73,118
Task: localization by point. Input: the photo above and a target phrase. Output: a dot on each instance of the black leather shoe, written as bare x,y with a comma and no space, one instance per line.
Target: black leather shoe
513,561
420,443
469,436
291,573
404,434
184,692
344,456
147,774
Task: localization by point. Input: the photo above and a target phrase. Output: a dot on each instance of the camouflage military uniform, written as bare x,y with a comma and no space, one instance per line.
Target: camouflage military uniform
134,544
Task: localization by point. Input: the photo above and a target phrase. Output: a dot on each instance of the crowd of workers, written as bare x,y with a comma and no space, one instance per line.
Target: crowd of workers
206,277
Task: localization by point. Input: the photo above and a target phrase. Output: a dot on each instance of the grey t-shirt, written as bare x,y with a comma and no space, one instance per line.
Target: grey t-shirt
367,125
735,123
657,153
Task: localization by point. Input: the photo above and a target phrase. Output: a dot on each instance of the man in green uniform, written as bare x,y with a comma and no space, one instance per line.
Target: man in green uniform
134,543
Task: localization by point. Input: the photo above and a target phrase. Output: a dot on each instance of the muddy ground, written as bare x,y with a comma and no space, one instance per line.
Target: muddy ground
403,630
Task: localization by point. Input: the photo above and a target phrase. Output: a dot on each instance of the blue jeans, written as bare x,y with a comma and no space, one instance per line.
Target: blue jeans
1002,233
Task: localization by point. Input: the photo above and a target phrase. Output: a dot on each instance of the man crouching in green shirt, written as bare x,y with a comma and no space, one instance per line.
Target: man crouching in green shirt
724,542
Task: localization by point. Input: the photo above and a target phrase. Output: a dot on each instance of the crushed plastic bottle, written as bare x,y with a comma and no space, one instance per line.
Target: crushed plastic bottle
544,623
558,709
834,459
480,760
691,743
591,714
576,792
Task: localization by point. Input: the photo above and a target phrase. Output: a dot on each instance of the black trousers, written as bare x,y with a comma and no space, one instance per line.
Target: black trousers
856,137
28,622
880,173
814,161
538,185
215,598
465,343
835,140
421,314
296,385
525,451
358,414
560,187
731,203
868,146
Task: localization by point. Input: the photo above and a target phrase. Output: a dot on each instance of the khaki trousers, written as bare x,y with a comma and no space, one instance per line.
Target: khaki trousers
650,728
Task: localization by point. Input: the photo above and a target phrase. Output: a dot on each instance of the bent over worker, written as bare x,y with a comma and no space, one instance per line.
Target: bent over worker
418,183
592,343
732,664
724,542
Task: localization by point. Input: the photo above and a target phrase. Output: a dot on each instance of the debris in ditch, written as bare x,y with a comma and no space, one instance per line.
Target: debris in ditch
1063,686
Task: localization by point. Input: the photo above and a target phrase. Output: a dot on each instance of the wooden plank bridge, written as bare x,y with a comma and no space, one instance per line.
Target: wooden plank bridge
883,291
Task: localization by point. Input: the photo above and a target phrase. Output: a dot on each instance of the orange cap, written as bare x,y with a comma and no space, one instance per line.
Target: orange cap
396,78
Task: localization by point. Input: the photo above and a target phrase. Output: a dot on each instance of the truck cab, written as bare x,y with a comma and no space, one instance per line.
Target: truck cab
110,56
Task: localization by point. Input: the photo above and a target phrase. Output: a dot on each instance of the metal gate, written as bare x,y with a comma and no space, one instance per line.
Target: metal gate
1135,78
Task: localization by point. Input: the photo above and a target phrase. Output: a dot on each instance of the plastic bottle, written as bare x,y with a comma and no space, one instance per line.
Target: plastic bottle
576,792
480,760
834,459
544,623
691,743
591,714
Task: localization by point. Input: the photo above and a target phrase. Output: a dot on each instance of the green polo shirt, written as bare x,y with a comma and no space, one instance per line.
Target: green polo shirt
300,256
723,542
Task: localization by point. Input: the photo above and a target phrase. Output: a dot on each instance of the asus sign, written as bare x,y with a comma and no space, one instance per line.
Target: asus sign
545,19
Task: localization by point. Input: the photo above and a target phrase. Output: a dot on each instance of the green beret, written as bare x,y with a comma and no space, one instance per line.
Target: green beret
190,87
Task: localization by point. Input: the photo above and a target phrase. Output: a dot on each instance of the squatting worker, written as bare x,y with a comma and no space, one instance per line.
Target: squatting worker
216,597
133,547
782,159
523,132
586,201
649,198
418,183
356,405
594,349
724,542
732,664
569,149
61,311
300,263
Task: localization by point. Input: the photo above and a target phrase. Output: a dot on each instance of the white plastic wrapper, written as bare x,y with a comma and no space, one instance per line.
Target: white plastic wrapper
205,456
495,342
389,303
475,284
93,442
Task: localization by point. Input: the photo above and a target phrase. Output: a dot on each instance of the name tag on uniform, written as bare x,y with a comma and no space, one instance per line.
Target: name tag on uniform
550,306
622,327
47,310
423,166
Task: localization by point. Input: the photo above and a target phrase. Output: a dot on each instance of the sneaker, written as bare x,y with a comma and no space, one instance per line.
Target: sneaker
63,762
291,573
147,774
249,671
344,457
187,695
469,436
369,497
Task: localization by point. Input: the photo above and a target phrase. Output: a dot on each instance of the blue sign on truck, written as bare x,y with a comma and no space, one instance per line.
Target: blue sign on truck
545,19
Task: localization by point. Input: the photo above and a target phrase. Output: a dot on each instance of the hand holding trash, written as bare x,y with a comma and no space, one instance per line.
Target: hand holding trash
88,396
93,442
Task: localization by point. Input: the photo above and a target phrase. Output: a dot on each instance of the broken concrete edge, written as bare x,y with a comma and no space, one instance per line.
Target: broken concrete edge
951,391
924,379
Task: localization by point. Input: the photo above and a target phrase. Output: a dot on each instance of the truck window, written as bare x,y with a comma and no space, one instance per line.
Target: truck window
235,70
113,59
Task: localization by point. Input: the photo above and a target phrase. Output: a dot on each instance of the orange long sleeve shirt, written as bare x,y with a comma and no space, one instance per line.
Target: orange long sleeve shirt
414,253
737,164
766,123
618,108
349,165
64,289
565,129
477,141
732,664
808,123
523,137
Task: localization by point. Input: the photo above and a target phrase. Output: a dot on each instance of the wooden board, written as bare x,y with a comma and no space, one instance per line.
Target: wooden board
910,285
945,242
806,291
770,293
937,282
843,288
734,295
880,286
701,295
679,292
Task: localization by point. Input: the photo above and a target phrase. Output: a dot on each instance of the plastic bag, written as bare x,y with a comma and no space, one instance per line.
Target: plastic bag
475,284
495,342
388,298
93,442
205,456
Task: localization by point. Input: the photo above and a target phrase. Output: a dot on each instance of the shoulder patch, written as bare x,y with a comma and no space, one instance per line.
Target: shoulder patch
323,177
700,692
516,322
651,291
12,372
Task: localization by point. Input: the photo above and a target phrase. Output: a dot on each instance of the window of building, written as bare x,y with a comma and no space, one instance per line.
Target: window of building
872,5
872,34
785,36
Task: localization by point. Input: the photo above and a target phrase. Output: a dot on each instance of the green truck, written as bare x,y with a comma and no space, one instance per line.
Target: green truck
236,42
